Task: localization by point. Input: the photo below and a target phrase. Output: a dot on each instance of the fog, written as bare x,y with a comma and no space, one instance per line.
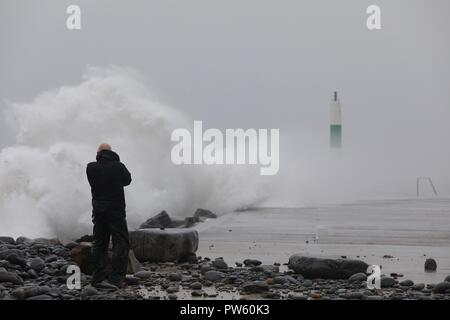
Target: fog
255,64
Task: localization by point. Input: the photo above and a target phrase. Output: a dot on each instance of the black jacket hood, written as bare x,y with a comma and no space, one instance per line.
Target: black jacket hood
107,155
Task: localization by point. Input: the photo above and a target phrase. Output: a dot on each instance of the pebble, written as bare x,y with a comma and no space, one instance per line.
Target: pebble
175,277
219,263
37,264
387,282
255,287
213,275
143,274
407,283
196,286
418,286
358,277
89,291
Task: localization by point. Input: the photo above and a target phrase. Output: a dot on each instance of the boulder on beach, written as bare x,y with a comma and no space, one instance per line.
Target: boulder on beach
443,287
82,256
203,213
169,245
161,220
318,268
430,265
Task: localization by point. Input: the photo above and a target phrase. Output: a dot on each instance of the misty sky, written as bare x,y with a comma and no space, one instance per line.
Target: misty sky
264,64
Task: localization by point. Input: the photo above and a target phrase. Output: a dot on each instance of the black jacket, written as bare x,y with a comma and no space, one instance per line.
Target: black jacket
107,177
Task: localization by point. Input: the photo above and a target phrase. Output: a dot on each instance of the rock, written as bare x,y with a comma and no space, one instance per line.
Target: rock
21,240
27,292
315,295
374,298
13,278
443,287
51,259
143,274
447,279
407,283
358,277
172,296
252,262
219,263
131,280
293,280
189,222
326,268
175,277
196,286
155,245
15,259
387,282
37,264
46,242
41,297
430,265
18,293
197,293
161,220
202,213
307,283
280,280
4,253
172,289
213,276
89,291
268,269
357,296
82,256
255,287
418,287
7,240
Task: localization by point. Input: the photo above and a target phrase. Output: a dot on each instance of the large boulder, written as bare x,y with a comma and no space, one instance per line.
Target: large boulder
203,213
318,268
161,220
430,265
169,245
82,256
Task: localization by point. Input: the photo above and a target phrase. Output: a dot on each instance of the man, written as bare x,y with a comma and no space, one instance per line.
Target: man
107,177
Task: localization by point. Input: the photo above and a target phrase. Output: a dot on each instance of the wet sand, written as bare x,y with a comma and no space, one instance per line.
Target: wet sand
409,230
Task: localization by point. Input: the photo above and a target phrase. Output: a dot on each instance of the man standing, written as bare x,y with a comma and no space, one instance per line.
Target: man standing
107,177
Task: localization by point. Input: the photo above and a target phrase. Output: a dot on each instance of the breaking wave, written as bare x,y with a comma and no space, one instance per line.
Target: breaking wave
43,189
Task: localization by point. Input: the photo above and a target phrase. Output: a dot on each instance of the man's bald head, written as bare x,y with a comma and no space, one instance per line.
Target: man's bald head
104,146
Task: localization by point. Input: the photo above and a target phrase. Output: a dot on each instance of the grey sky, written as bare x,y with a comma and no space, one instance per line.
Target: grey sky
260,64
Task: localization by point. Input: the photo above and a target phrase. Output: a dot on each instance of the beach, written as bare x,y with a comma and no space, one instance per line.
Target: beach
399,235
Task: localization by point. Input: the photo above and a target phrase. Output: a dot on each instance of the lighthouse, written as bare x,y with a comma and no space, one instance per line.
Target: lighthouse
335,122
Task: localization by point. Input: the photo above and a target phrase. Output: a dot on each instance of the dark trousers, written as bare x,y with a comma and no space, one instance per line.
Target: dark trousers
110,225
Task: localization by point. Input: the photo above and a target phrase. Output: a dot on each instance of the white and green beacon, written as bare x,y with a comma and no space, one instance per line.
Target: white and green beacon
335,123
